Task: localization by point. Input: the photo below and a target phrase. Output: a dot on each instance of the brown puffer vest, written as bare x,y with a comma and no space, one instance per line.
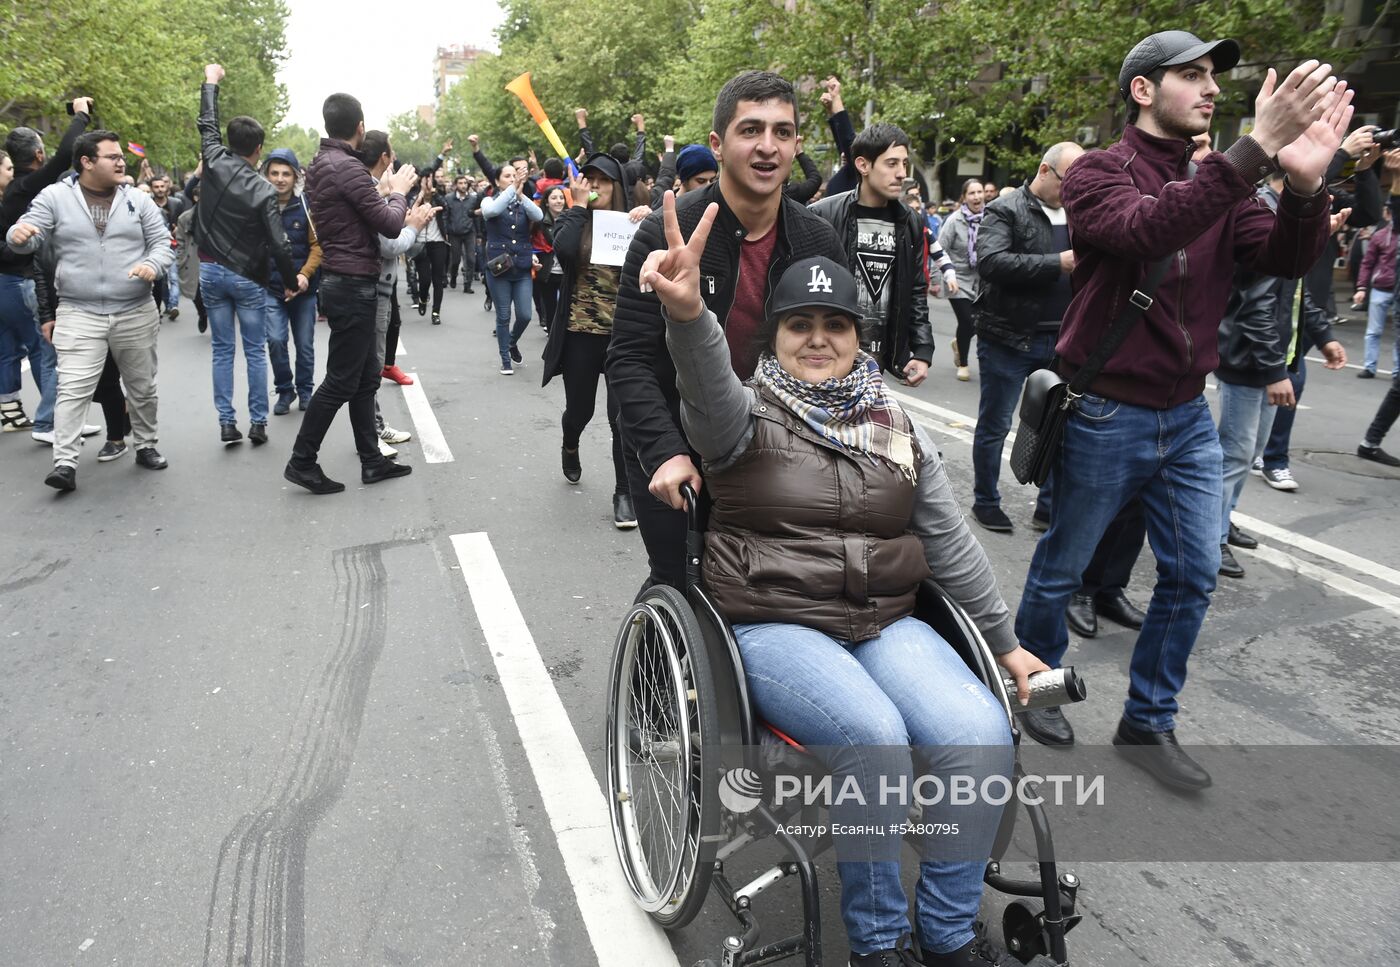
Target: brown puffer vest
803,533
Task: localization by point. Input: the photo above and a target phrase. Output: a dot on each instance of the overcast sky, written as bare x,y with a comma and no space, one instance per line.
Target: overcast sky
380,52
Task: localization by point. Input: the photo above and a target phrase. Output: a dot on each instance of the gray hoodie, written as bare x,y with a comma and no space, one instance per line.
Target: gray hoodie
717,413
92,270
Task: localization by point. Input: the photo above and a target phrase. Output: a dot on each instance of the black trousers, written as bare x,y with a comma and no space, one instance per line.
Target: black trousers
962,308
432,268
391,337
663,529
352,373
546,298
109,396
461,249
1385,416
582,362
1111,567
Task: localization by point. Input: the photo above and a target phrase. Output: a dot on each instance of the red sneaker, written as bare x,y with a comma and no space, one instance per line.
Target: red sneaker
397,375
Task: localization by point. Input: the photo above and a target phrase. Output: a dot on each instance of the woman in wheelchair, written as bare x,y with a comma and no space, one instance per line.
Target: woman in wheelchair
829,509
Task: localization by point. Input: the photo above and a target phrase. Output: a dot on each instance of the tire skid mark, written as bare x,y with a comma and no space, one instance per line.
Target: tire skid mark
257,902
42,574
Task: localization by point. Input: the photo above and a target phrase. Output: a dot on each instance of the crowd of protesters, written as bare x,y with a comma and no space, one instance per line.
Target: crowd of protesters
265,243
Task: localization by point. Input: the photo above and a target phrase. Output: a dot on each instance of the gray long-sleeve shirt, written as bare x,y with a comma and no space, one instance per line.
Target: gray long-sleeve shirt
717,414
92,268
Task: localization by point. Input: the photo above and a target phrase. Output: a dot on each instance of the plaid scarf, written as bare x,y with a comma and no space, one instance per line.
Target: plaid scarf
855,413
974,222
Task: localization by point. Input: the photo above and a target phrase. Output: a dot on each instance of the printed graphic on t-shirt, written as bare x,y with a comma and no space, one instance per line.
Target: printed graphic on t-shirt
875,241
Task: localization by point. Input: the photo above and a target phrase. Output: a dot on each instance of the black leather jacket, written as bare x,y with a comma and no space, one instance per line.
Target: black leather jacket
237,222
1257,327
1019,266
907,333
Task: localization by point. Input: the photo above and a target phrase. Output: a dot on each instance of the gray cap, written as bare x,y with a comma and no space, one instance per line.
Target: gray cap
1168,48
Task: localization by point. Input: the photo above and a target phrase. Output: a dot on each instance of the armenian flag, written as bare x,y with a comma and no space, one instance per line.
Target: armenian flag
136,149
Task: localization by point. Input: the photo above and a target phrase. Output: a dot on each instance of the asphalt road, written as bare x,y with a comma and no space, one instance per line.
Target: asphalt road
243,725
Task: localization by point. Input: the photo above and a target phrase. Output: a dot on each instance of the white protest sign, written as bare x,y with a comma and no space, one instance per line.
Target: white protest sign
612,234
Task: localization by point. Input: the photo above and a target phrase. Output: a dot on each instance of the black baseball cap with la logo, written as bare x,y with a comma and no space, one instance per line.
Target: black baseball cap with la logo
815,282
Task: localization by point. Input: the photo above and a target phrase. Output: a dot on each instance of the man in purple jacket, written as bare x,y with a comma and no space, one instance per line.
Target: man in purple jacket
1144,429
350,214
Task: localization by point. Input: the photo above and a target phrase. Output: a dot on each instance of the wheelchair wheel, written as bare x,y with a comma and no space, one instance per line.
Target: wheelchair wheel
663,757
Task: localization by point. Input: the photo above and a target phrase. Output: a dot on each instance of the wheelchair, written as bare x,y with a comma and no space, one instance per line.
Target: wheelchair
678,708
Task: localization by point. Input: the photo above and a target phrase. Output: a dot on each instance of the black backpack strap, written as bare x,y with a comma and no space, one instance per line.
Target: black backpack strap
1138,304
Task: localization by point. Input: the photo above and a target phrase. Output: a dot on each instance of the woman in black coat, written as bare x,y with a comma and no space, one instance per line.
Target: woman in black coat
582,324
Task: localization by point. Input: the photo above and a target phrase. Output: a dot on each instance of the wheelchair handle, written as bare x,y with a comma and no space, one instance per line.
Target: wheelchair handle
694,539
1057,686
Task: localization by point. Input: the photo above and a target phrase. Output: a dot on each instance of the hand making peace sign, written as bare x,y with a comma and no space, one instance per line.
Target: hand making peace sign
673,273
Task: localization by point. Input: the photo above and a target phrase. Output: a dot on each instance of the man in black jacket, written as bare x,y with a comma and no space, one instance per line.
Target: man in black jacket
1259,350
1365,204
237,223
757,234
1024,260
458,207
884,240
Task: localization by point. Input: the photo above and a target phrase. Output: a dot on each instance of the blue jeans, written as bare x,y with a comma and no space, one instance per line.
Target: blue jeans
1170,459
19,337
1377,309
228,295
1281,434
864,703
298,316
513,287
172,287
48,391
1246,417
1002,372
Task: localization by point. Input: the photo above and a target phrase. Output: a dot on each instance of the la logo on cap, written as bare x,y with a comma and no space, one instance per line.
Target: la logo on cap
820,281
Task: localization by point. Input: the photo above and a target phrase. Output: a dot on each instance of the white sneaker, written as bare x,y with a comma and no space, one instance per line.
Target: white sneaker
1280,479
387,451
390,435
1257,467
90,430
43,436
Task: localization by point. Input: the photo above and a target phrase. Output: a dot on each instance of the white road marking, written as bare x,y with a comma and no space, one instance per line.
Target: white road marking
400,351
1328,578
620,932
1322,362
959,426
430,438
1334,554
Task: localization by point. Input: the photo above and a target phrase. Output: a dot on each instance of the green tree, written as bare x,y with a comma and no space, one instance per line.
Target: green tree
614,59
304,142
412,138
142,61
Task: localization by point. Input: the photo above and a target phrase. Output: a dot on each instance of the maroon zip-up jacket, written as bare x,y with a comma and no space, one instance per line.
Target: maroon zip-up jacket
1131,205
348,211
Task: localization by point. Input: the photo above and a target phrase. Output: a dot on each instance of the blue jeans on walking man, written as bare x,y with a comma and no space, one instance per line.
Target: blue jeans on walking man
229,296
1171,460
1377,311
1246,418
859,706
1002,372
297,319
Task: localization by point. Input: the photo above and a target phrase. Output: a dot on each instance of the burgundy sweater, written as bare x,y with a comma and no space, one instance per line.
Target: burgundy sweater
1130,205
